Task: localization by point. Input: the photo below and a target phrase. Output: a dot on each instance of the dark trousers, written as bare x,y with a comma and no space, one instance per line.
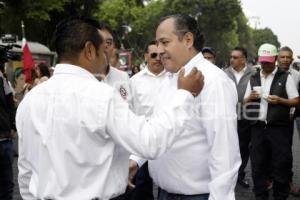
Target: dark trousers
244,133
291,134
270,150
6,170
143,185
164,195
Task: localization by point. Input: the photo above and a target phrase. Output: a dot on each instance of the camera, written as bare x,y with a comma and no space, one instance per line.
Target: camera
8,42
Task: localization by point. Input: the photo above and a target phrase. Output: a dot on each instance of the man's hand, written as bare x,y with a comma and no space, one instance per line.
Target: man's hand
252,97
193,82
273,99
133,167
13,134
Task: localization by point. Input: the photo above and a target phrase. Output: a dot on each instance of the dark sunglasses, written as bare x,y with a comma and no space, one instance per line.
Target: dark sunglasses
153,55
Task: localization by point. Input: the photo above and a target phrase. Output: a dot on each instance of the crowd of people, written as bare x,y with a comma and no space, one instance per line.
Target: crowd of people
88,131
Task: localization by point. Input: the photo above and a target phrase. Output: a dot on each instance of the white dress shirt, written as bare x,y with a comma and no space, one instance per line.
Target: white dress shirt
75,135
238,75
295,75
266,82
145,87
206,159
120,81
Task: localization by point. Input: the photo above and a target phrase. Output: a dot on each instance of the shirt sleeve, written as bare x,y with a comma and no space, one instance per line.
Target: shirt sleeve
291,88
25,171
218,108
149,138
248,90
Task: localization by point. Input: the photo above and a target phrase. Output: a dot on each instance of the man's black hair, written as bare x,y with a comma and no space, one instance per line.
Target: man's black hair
242,50
44,69
153,42
184,24
286,48
72,33
209,50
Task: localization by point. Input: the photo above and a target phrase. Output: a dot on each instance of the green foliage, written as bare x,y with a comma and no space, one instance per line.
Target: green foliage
222,22
265,35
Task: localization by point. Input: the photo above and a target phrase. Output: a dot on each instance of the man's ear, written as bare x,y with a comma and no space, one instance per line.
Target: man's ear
188,39
146,56
89,51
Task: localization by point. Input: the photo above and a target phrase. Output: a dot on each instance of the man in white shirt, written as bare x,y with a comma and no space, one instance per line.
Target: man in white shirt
111,75
145,86
240,73
75,133
205,163
285,60
273,94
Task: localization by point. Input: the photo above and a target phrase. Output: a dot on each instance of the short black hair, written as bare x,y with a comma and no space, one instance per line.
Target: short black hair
242,50
183,24
209,50
72,33
44,69
152,42
286,48
105,26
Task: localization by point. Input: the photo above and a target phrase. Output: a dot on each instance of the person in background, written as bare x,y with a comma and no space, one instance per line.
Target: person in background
240,73
144,87
7,127
269,96
111,75
135,69
42,72
209,54
285,60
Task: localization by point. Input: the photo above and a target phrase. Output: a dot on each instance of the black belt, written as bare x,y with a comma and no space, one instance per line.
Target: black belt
96,198
174,195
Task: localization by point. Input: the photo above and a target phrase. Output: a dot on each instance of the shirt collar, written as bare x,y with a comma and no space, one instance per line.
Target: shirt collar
73,70
189,66
193,62
148,72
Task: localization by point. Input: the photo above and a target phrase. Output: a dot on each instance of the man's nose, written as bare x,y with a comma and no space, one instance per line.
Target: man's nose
160,49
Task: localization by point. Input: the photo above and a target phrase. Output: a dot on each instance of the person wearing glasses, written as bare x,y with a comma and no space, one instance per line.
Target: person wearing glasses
144,86
111,75
240,73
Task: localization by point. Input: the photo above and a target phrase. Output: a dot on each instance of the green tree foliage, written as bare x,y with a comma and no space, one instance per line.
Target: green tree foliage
40,17
265,35
222,22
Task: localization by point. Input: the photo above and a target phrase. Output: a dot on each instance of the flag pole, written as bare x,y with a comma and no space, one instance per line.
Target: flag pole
23,29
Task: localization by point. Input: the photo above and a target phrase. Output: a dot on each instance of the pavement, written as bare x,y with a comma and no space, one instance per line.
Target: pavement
241,193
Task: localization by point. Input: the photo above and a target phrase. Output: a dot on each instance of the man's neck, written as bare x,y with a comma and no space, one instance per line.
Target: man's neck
239,68
267,73
155,72
285,68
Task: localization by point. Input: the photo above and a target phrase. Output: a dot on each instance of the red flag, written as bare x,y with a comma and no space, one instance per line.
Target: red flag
28,63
